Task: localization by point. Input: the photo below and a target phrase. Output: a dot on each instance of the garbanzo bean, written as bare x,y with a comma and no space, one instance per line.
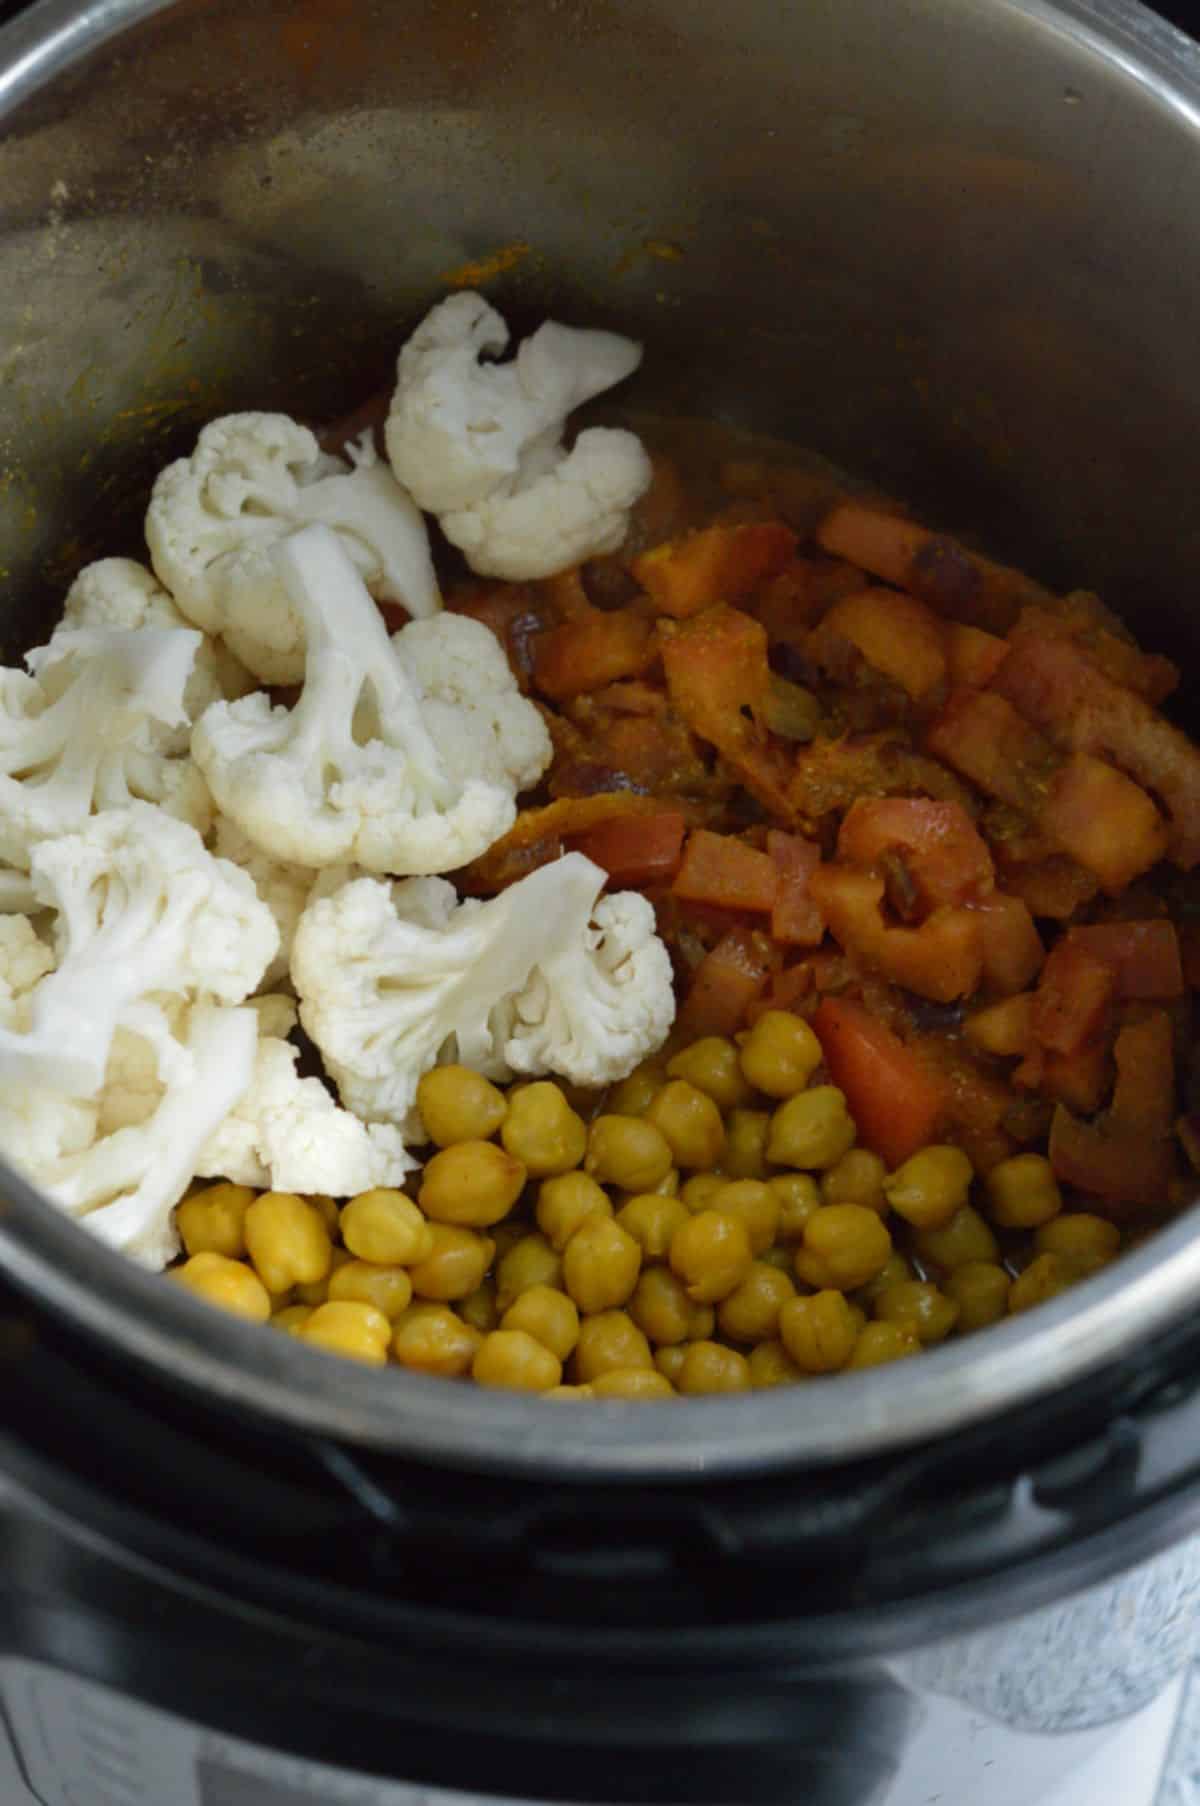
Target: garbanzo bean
389,1289
547,1315
287,1241
608,1342
652,1220
780,1054
213,1221
845,1245
455,1264
627,1151
331,1214
569,1392
512,1360
746,1133
757,1206
751,1311
638,1384
567,1201
386,1227
711,1367
632,1095
711,1254
669,1359
894,1271
798,1196
712,1065
818,1332
661,1307
474,1183
1078,1232
980,1290
928,1189
690,1123
771,1365
457,1104
966,1237
291,1317
479,1310
529,1262
811,1130
358,1332
600,1265
1022,1192
1045,1277
229,1284
542,1131
667,1187
431,1338
879,1343
697,1192
930,1313
857,1178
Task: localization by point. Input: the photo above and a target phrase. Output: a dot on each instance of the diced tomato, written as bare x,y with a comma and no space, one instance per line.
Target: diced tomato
895,634
972,656
786,991
1143,1099
1073,1000
637,849
981,735
1005,1028
1144,956
1078,1080
789,603
725,985
943,851
587,653
1110,1162
717,869
894,1100
540,835
1012,948
717,564
796,920
941,960
1053,888
1104,820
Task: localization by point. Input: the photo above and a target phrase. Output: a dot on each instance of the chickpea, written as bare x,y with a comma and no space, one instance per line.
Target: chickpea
711,1367
287,1241
431,1338
751,1311
331,1214
629,1152
507,1234
564,1203
798,1198
813,1129
698,1191
609,1342
669,1359
213,1221
529,1262
980,1290
386,1227
712,1066
479,1310
455,1265
652,1220
633,1095
930,1187
600,1266
457,1104
879,1343
845,1242
640,1384
543,1132
473,1183
895,1270
1045,1277
290,1318
755,1204
690,1122
667,1187
661,1307
771,1365
547,1315
569,1392
966,1237
1023,1192
318,1291
511,1359
1079,1233
746,1133
780,1054
711,1254
389,1289
819,1332
229,1284
930,1314
857,1178
358,1332
778,1256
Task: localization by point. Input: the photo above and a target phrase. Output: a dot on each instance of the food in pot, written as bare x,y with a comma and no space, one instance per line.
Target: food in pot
750,935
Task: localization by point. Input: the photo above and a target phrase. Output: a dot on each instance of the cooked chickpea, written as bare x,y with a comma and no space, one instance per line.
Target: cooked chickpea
771,1365
474,1183
690,1123
711,1254
318,1291
512,1360
746,1134
667,1187
358,1332
931,1314
1045,1277
565,1203
632,1095
389,1289
213,1221
229,1284
331,1213
547,1315
386,1227
291,1317
569,1392
669,1360
287,1241
608,1342
529,1262
930,1187
712,1066
542,1131
751,1311
894,1271
652,1220
1023,1192
455,1265
813,1129
780,1054
778,1256
479,1310
431,1338
627,1151
697,1192
661,1307
638,1384
857,1178
755,1204
1079,1233
600,1265
818,1332
966,1237
879,1343
798,1197
457,1104
846,1245
980,1290
711,1367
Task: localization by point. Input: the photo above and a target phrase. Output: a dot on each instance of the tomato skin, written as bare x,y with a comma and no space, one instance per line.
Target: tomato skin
720,869
895,1101
637,849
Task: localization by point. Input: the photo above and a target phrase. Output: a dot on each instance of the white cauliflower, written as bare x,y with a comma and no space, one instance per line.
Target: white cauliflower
544,977
25,959
16,892
142,908
480,444
84,734
284,887
358,770
252,480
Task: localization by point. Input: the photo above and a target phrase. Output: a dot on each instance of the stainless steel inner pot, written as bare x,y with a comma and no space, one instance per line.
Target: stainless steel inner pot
953,244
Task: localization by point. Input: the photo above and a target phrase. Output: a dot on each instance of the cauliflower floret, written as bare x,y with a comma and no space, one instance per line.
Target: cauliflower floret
284,887
251,480
481,444
394,979
25,959
355,770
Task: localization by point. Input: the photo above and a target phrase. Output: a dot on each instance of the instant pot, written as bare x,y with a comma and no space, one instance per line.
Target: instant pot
951,244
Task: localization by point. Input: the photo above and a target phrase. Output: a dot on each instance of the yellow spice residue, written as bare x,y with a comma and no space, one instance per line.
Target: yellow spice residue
483,269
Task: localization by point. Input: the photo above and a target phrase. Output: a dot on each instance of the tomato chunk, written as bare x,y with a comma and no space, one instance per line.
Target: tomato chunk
796,920
894,1100
1109,1161
725,563
1144,956
1012,948
719,870
981,734
944,852
637,849
1104,821
725,985
1073,1000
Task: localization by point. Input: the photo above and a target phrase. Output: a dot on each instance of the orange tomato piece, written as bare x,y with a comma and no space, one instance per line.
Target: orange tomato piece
896,1102
720,870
